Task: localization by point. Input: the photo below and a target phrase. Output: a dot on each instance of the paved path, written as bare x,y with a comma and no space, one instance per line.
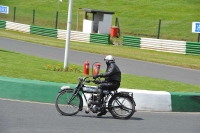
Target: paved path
22,117
128,66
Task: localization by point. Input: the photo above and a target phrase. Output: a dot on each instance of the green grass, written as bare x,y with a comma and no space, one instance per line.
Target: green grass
30,67
136,17
25,66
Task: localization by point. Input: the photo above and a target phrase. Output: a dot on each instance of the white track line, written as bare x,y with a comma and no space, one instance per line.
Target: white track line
4,99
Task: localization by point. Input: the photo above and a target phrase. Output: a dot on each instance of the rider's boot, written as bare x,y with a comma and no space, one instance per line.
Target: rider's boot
103,112
99,98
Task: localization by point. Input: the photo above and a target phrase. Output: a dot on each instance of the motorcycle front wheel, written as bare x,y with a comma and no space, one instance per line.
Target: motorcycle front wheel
121,107
65,107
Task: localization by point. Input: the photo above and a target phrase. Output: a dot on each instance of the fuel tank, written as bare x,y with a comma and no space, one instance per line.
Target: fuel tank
90,89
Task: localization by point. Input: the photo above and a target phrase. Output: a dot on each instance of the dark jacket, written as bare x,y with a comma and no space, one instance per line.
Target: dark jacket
112,73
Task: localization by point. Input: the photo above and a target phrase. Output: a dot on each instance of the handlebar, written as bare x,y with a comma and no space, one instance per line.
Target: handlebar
96,81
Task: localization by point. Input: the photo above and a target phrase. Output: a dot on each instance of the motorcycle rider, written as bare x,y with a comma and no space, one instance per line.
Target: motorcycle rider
112,80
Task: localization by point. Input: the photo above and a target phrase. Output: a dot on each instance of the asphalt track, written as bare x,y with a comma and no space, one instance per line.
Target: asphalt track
128,66
25,117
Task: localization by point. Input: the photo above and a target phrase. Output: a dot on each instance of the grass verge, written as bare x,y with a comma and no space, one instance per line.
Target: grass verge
25,66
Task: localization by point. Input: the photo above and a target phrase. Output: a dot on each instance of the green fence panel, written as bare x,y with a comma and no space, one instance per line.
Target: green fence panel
50,32
193,48
2,24
100,38
131,41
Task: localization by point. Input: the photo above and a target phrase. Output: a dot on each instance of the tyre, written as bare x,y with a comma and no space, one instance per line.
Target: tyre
121,106
65,108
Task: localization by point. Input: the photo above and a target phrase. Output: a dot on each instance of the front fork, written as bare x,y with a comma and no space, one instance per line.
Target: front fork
75,92
71,99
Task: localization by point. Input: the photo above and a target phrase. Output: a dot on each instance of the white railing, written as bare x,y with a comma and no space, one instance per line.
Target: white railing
75,36
163,45
17,27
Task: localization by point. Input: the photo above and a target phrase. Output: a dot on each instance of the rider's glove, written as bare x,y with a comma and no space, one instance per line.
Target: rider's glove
95,76
98,75
97,82
101,75
87,81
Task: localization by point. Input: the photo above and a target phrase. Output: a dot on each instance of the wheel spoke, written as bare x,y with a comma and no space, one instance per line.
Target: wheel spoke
126,109
74,105
67,103
118,102
122,107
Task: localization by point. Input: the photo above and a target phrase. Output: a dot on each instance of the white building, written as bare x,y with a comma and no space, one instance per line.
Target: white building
100,22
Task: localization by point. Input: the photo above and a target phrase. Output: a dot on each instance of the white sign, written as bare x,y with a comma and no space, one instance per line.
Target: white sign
196,27
4,9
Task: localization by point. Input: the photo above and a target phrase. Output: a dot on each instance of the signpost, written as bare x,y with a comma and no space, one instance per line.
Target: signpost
69,22
4,9
196,29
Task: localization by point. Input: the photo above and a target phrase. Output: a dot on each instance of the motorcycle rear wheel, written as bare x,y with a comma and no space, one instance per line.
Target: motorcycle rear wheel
121,107
65,108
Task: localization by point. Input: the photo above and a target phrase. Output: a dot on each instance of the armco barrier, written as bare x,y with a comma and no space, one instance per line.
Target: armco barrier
75,36
18,27
50,32
41,91
193,48
131,41
171,46
2,24
100,38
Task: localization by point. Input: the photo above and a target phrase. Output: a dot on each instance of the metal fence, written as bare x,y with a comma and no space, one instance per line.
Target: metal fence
159,29
50,19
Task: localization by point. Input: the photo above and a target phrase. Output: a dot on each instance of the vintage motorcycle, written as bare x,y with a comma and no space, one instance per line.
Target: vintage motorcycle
69,101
